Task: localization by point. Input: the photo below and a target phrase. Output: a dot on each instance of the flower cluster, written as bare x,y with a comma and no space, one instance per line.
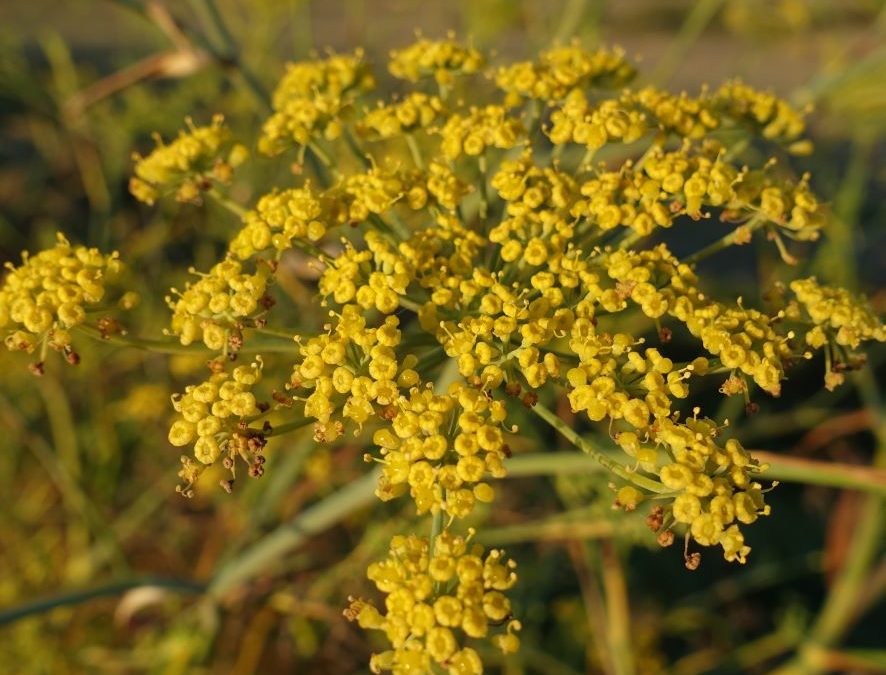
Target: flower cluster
680,114
309,101
491,267
351,373
634,114
775,118
486,127
374,278
687,181
441,59
214,416
373,192
577,122
840,323
443,185
213,308
834,310
282,218
51,292
715,486
437,598
188,165
496,262
562,70
415,111
440,447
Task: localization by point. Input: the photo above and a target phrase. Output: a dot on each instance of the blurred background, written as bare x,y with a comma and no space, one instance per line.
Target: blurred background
105,569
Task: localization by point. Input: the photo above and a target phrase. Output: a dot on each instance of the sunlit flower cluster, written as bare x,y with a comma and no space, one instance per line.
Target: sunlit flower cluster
310,99
476,258
484,242
715,486
437,599
440,448
441,59
282,218
188,165
481,128
351,373
840,322
50,293
415,111
212,308
776,119
633,114
213,417
561,70
835,310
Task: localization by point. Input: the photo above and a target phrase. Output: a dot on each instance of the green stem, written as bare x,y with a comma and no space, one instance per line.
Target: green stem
268,551
321,154
310,249
176,347
564,526
606,462
78,597
550,464
415,151
742,232
484,187
830,474
320,162
227,203
146,344
587,158
436,530
355,148
411,305
274,333
630,239
280,429
570,20
533,115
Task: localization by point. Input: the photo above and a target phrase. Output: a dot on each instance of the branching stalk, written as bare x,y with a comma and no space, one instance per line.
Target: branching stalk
603,460
740,234
226,202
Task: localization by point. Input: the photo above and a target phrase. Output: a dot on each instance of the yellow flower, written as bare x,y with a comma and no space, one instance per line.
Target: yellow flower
51,293
426,622
561,70
197,156
214,416
466,245
310,99
441,59
209,309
